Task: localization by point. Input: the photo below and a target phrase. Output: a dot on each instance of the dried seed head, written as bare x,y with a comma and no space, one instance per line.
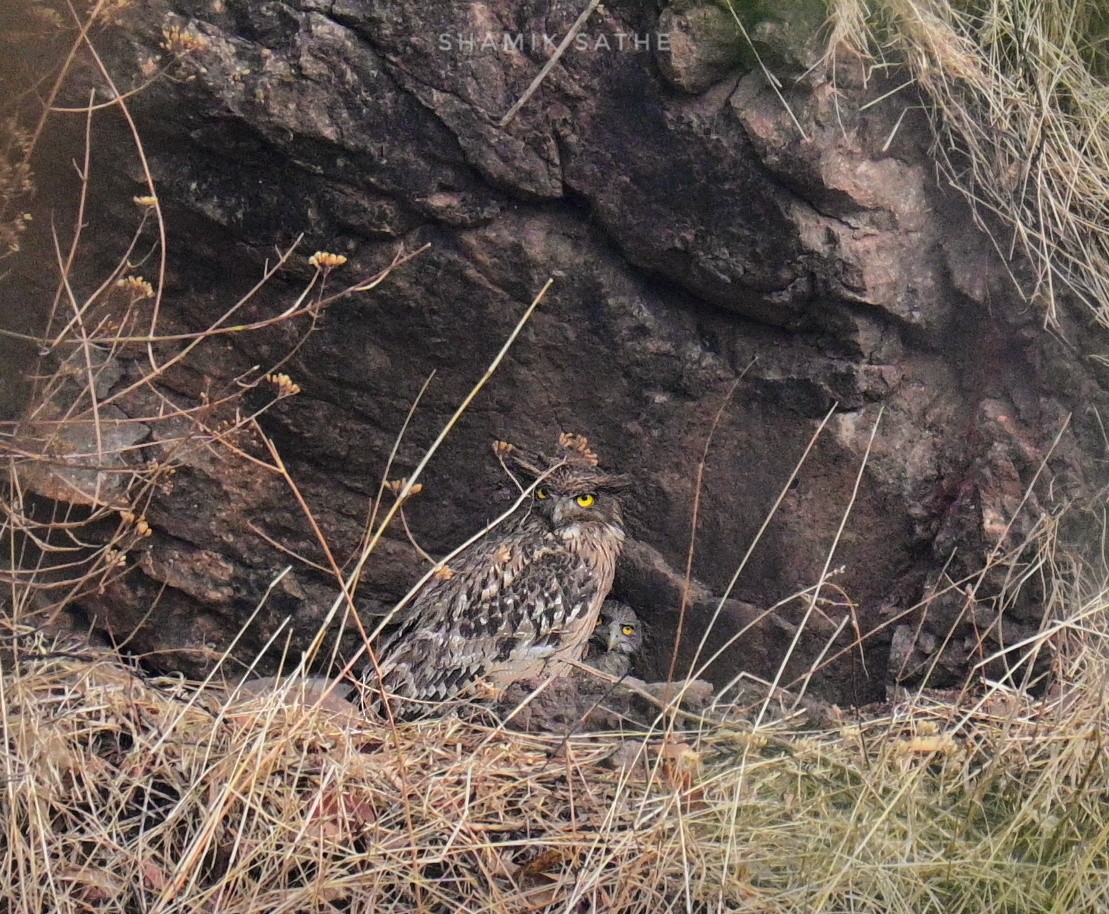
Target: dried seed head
177,40
323,260
285,385
578,448
396,486
146,201
137,286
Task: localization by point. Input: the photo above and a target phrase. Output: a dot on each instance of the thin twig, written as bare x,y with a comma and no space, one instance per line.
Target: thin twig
579,23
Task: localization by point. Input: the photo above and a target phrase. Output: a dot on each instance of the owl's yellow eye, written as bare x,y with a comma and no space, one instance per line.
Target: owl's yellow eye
627,629
542,494
586,501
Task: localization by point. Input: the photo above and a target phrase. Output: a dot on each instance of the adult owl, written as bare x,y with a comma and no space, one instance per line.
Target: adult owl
521,601
617,636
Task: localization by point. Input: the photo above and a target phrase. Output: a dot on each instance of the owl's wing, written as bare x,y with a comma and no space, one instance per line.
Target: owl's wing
512,601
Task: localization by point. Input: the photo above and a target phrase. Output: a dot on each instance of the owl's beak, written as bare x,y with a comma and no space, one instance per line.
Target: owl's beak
613,636
558,513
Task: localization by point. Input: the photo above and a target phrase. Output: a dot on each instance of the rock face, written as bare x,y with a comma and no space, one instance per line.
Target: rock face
727,259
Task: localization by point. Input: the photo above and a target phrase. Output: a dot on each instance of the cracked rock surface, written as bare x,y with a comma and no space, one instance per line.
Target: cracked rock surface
697,234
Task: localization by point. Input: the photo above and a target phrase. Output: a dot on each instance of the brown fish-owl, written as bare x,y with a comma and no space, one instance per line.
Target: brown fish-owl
616,639
521,601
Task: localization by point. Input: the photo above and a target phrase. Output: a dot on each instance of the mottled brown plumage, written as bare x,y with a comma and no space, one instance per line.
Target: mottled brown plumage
617,636
519,602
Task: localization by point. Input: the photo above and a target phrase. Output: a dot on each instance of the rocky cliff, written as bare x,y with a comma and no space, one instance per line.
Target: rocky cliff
709,228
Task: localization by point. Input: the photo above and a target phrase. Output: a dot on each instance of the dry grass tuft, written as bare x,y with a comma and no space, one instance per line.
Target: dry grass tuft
129,794
124,793
1018,93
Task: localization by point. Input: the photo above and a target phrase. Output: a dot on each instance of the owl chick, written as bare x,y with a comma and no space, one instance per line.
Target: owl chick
520,602
617,636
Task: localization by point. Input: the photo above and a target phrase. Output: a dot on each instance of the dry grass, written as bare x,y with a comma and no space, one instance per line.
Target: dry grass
1019,100
123,793
127,793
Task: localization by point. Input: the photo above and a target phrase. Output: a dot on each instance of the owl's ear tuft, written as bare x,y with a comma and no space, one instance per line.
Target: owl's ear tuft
614,482
577,461
532,466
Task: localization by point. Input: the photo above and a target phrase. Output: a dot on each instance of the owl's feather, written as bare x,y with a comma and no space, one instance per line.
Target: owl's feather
519,602
618,635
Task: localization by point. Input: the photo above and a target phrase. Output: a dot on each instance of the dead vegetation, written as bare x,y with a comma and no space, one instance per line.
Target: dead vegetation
1017,94
125,792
